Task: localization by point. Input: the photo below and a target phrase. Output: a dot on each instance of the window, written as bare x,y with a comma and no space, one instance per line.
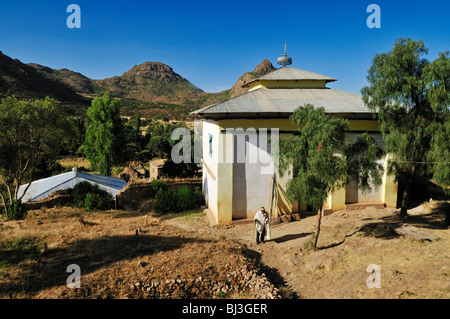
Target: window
210,144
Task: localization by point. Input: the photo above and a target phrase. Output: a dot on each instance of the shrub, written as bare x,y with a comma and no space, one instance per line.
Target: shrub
178,200
92,197
80,191
95,201
156,185
16,211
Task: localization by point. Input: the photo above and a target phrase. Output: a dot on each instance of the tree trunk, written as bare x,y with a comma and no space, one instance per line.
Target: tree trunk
319,222
4,203
406,192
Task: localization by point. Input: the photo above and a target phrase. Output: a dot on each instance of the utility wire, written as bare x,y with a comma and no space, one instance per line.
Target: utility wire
419,162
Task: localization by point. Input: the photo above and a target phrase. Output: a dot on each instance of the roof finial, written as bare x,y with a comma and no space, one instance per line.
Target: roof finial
284,60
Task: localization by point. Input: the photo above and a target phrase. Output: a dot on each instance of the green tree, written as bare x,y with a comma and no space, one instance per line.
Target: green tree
411,98
104,140
135,141
160,144
159,136
31,131
320,159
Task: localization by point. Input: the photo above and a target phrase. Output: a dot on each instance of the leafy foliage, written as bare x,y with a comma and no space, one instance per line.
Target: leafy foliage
32,132
362,165
323,161
91,197
156,185
15,211
160,144
412,96
319,170
178,200
104,134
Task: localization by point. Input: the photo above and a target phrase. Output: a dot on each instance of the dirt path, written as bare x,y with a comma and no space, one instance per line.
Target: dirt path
357,239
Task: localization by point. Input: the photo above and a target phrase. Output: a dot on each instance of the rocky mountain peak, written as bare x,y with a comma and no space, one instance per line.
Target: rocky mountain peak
154,70
264,67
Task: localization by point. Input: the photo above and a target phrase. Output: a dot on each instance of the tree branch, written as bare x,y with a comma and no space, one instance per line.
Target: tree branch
4,203
8,189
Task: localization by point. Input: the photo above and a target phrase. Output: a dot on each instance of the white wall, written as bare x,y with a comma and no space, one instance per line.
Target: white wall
210,164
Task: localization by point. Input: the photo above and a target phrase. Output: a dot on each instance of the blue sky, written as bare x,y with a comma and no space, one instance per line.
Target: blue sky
211,43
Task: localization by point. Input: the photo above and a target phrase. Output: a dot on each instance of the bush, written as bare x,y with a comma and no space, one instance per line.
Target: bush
156,185
172,170
16,211
94,201
92,197
178,200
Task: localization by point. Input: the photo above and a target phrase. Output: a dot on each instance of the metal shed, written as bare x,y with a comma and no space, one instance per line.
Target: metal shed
44,187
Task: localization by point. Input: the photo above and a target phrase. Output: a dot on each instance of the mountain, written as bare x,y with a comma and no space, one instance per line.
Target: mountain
264,67
152,81
22,80
150,89
74,80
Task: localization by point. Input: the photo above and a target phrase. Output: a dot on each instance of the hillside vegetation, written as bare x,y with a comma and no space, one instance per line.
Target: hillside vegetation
150,90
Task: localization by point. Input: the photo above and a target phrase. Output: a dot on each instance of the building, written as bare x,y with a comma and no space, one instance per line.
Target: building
236,190
155,168
42,188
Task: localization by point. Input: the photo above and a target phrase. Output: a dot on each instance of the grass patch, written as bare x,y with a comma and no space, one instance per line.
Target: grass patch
309,245
71,161
190,215
15,251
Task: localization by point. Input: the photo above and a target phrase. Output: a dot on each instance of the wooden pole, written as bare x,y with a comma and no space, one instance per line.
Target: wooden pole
271,198
276,198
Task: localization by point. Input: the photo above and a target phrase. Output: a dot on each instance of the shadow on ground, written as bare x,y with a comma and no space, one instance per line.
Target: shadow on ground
90,255
288,237
437,218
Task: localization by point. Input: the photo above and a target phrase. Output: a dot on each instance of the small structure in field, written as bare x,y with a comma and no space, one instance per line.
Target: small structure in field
155,168
42,188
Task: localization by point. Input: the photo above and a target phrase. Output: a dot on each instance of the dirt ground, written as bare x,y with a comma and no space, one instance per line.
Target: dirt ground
124,255
117,263
356,239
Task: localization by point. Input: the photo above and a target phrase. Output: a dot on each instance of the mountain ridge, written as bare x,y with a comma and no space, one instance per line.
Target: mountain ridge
146,88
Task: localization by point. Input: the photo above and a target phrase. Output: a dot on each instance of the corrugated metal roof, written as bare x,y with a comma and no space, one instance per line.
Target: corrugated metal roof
287,100
287,73
44,187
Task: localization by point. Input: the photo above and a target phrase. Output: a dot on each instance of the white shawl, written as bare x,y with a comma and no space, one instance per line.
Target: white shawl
261,222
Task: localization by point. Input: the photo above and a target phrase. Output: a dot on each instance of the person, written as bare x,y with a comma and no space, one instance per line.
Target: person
262,225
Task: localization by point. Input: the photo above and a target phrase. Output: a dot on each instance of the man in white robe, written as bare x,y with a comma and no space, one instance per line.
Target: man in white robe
262,225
